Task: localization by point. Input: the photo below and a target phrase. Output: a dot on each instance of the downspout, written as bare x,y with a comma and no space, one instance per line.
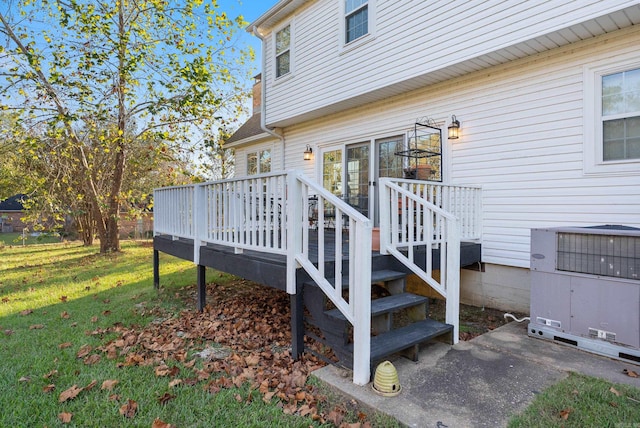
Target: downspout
277,132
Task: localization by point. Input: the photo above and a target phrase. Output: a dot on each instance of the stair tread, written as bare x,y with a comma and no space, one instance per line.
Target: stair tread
402,338
387,304
376,276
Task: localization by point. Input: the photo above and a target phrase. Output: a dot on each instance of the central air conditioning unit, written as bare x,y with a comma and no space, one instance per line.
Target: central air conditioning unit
585,288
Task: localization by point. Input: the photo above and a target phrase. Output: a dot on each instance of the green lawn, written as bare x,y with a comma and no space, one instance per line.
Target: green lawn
57,300
17,239
582,401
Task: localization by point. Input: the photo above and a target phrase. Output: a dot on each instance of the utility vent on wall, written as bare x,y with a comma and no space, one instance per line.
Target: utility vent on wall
585,288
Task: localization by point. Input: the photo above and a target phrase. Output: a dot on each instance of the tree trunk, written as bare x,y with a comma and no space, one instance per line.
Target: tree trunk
110,242
86,227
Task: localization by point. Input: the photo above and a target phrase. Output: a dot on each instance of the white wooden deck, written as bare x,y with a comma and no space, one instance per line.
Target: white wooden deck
270,214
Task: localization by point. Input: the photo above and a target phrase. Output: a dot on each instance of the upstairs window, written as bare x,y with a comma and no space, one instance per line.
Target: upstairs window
356,19
283,51
621,115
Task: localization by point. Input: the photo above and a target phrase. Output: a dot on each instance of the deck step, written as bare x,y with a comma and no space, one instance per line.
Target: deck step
400,339
387,304
383,275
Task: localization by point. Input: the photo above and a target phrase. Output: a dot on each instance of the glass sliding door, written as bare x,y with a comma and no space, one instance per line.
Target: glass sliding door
357,177
388,164
332,171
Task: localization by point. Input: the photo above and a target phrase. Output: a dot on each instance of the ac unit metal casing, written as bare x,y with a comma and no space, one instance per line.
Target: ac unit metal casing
585,288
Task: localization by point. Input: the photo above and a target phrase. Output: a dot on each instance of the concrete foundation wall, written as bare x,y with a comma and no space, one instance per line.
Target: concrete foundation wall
498,287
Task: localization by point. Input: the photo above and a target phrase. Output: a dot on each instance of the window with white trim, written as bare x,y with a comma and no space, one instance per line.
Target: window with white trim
612,116
259,162
621,115
356,20
283,51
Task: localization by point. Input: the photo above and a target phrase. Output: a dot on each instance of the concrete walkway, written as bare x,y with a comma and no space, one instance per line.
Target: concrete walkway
479,383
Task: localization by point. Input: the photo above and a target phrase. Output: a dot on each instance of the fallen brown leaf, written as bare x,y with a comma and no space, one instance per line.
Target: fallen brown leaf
65,345
335,417
65,315
165,398
564,414
48,388
109,384
63,298
50,374
175,382
84,351
25,379
36,327
614,391
26,312
163,370
94,319
65,417
92,359
91,385
5,300
129,409
69,394
630,373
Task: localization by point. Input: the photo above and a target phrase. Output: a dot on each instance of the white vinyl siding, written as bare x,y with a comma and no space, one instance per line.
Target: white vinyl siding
406,55
522,141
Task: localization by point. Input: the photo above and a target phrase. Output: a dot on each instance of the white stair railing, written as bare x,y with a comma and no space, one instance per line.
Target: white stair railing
463,201
411,225
347,225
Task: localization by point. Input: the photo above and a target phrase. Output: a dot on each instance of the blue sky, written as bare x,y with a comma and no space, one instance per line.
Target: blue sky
251,10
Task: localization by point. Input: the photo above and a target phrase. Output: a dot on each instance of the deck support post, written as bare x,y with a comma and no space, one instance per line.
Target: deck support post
297,322
202,288
156,269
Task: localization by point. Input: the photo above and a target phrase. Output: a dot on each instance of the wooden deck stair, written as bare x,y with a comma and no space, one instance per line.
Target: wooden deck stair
399,321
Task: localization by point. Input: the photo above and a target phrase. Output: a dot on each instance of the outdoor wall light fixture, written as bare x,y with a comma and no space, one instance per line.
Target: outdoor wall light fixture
308,153
454,128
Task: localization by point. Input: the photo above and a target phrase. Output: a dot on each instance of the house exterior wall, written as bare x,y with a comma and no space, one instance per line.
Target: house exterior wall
324,71
242,152
10,221
522,141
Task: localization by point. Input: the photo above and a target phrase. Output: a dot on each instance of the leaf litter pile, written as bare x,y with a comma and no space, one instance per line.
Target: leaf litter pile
242,337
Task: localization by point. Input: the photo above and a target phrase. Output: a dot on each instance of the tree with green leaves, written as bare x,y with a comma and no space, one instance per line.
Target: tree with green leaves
92,81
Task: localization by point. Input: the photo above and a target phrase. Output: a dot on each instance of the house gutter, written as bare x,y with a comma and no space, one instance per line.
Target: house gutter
275,132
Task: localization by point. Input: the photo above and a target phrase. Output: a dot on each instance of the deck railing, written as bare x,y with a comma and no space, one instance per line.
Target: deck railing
173,211
246,213
464,202
411,226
